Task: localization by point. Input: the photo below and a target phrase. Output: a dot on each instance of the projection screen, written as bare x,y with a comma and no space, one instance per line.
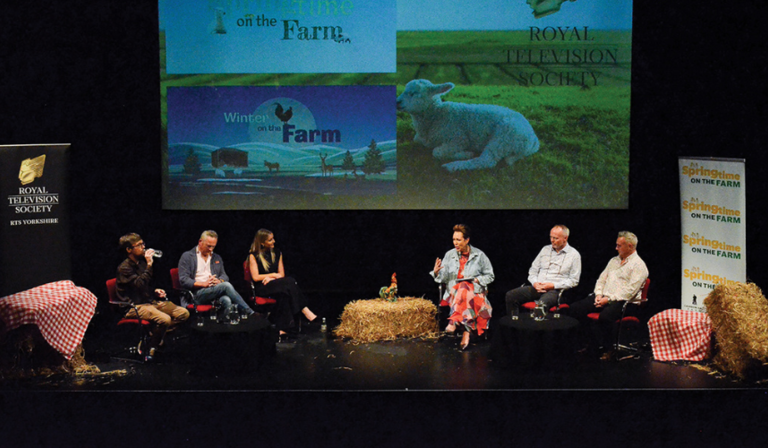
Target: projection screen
395,104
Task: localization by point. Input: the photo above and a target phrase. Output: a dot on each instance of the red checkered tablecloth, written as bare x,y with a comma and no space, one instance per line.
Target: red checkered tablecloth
60,310
680,335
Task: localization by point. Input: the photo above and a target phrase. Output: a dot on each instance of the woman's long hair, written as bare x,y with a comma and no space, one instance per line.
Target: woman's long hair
257,249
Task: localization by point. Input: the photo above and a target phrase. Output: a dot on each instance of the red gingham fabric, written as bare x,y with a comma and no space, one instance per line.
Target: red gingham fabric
680,335
60,310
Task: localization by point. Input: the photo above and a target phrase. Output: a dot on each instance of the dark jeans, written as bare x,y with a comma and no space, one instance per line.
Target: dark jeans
600,334
523,294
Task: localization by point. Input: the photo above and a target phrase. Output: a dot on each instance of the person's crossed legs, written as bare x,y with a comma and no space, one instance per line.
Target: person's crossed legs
226,294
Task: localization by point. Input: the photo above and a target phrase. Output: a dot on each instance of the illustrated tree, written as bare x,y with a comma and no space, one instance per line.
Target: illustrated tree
348,164
191,163
374,162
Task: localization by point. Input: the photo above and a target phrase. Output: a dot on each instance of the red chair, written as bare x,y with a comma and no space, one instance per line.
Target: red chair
265,303
442,306
441,290
187,299
142,325
627,319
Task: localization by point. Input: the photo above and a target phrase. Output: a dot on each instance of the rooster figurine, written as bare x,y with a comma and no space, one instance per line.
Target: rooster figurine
390,293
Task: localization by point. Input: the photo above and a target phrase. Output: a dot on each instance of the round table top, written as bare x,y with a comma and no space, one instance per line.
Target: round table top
253,323
550,323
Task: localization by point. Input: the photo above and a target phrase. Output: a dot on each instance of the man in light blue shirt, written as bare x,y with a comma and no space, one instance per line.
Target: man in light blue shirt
557,267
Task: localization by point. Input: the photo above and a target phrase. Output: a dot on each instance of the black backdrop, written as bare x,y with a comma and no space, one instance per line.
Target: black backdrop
86,72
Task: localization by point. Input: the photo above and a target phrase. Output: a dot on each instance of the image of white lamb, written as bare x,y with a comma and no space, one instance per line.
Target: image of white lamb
475,136
217,27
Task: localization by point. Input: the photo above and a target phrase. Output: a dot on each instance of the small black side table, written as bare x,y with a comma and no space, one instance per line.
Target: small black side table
221,347
549,343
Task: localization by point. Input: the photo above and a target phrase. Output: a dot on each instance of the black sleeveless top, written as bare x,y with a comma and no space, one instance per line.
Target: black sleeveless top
273,267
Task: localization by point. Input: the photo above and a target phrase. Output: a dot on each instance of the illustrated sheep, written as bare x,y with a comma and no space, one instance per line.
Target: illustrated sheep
475,136
218,24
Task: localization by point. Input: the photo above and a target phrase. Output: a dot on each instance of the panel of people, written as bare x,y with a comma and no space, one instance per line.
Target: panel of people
201,271
465,269
467,272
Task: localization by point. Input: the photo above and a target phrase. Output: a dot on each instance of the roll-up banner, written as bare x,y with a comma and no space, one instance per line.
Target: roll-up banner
35,224
713,225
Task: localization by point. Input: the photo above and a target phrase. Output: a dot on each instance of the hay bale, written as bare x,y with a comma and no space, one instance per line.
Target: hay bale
739,314
381,320
25,354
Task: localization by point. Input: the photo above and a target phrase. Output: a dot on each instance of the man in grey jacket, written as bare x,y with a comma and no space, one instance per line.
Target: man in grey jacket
202,272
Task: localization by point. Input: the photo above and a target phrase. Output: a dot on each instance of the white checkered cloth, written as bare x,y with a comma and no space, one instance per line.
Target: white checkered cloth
60,310
680,335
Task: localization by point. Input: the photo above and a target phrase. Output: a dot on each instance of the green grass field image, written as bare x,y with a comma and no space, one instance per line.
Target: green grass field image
574,92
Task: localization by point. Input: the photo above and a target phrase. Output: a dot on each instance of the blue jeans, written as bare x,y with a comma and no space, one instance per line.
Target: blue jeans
226,295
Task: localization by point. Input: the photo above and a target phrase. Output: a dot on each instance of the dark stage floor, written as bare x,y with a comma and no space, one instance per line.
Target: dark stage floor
402,393
317,361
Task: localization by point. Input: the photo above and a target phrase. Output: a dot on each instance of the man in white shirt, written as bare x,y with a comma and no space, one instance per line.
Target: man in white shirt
621,281
557,267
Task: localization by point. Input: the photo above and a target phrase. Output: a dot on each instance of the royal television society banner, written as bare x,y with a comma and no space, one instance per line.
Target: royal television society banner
713,223
35,218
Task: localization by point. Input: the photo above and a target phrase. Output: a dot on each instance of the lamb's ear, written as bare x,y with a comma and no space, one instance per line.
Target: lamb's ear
443,88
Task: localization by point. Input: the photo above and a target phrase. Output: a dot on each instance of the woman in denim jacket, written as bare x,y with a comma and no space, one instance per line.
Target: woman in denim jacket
468,272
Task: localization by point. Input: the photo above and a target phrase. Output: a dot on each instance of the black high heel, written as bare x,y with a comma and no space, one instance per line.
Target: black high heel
310,326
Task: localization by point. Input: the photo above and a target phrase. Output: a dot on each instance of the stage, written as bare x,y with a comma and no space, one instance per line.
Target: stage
87,72
316,361
397,393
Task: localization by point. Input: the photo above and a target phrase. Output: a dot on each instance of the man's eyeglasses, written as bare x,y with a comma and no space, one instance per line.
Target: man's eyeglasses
139,244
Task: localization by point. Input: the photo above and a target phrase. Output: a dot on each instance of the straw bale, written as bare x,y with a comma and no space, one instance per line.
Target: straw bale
25,354
739,314
380,320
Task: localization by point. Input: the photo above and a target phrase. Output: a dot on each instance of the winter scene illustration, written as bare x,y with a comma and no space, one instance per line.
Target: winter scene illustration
280,147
